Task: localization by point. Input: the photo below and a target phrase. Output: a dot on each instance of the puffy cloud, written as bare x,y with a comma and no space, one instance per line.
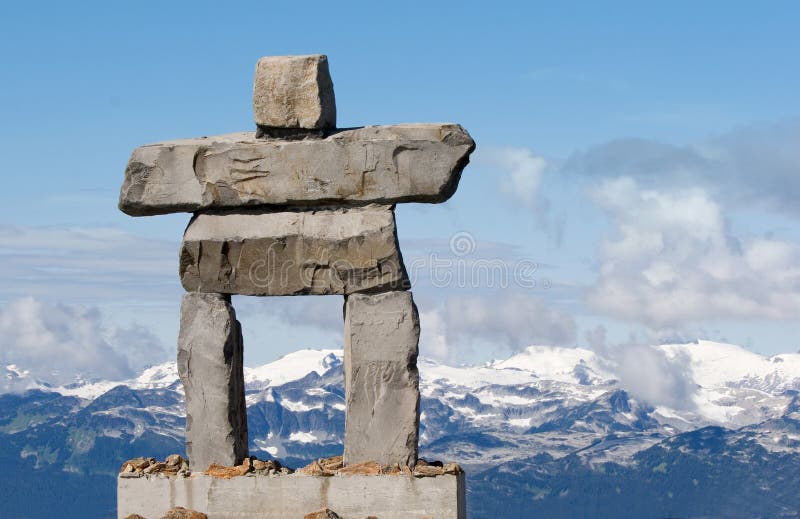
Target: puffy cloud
58,343
433,336
522,172
672,261
506,321
646,372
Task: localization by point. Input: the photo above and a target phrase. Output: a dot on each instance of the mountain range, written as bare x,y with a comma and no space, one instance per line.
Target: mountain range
696,430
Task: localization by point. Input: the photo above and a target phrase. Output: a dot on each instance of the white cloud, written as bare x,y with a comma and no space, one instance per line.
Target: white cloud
85,264
673,262
59,343
502,322
433,336
521,172
646,372
753,168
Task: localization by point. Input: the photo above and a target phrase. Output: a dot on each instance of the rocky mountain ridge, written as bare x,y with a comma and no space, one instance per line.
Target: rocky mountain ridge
554,416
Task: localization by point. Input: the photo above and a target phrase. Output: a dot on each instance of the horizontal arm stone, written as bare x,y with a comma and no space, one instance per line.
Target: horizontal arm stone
374,164
333,251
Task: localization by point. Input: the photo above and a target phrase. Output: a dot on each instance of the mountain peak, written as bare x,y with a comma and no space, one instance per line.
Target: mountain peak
715,364
292,366
562,364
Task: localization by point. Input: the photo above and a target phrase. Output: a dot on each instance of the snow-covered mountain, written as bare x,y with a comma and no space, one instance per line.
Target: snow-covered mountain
544,414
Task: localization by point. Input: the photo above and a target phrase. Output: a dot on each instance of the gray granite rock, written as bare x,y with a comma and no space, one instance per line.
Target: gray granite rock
335,251
374,164
210,366
381,379
294,92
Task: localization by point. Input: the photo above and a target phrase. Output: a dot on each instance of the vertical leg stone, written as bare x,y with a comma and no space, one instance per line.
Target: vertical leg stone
211,370
381,379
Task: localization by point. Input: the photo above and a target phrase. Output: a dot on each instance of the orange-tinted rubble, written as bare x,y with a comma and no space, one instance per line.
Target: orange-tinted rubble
175,465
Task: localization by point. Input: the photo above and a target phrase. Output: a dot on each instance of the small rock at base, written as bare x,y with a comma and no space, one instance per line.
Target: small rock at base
134,516
452,468
325,513
138,464
315,469
369,468
427,471
174,460
265,467
221,471
155,468
333,463
182,513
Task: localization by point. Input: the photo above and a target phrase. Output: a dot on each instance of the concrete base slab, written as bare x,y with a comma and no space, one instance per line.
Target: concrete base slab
293,496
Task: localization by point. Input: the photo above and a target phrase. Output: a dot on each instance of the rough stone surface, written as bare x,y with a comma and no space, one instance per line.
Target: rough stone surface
286,497
294,92
180,512
337,251
211,369
221,471
374,164
381,379
325,513
174,465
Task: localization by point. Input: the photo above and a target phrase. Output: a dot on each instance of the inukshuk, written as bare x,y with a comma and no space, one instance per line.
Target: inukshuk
298,207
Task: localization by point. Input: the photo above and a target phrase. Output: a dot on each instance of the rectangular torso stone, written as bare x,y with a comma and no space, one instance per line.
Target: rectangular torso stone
332,251
374,164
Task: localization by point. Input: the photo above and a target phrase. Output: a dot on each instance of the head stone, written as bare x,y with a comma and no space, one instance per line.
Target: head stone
294,92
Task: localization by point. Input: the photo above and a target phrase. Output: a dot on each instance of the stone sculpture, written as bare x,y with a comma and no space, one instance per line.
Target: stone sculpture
298,207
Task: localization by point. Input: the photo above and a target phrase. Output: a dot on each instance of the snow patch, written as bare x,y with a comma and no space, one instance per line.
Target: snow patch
302,437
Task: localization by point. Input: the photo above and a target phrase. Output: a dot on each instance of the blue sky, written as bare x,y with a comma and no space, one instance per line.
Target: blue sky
646,158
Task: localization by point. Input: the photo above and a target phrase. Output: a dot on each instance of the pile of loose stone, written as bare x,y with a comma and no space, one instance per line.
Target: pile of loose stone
176,466
334,467
297,207
177,512
173,466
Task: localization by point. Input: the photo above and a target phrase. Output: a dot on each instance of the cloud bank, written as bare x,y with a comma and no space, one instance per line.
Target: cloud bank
86,264
672,261
520,172
59,344
646,372
508,322
753,168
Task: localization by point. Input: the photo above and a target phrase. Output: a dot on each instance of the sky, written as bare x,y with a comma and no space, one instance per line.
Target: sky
635,181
